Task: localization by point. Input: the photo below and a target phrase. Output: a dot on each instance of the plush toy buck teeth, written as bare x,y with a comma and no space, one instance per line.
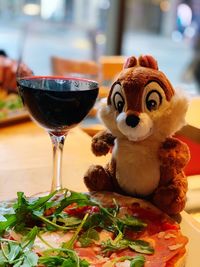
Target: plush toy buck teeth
142,113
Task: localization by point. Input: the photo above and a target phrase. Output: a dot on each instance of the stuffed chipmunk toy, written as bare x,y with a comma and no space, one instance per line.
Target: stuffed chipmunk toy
142,113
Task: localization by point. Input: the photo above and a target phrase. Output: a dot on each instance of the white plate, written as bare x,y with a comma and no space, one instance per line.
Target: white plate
191,228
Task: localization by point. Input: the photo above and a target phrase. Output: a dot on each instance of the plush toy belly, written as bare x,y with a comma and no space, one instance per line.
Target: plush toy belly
137,169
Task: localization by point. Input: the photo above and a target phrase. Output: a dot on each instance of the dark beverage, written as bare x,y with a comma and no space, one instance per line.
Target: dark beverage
56,103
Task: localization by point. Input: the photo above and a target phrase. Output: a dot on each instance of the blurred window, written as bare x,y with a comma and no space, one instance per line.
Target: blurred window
167,29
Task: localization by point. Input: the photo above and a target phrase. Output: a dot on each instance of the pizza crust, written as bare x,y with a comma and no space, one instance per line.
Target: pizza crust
106,198
181,261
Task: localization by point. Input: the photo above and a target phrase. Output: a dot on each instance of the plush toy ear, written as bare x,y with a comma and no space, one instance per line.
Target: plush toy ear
130,62
148,62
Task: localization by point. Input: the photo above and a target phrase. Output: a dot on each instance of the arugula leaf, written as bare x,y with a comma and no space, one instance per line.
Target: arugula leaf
73,197
30,259
138,261
2,259
68,221
110,246
24,212
140,246
41,201
62,257
97,220
16,254
50,224
88,237
10,222
70,243
132,222
84,263
14,250
2,218
52,261
29,239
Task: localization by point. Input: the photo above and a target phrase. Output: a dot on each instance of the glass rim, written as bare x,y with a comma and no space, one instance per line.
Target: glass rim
54,77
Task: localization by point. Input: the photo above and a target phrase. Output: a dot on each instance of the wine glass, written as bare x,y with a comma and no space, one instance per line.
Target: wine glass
56,103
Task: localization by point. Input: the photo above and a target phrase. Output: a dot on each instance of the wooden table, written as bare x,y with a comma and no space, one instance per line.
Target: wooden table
26,160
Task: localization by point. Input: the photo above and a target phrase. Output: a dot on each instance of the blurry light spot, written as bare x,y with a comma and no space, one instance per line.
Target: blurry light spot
189,32
165,5
81,44
48,8
31,9
184,13
100,39
177,36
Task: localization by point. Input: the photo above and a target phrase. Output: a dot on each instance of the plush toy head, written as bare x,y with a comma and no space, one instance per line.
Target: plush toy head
142,103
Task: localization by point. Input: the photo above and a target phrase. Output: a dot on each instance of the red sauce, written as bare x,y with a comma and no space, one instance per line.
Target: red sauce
81,211
156,222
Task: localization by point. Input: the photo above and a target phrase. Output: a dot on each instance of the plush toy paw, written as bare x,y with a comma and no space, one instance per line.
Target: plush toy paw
98,179
100,148
170,199
102,143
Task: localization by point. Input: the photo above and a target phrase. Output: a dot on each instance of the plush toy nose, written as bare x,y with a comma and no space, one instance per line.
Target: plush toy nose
132,120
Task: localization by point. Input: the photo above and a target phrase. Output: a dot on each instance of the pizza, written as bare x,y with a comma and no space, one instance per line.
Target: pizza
10,105
99,229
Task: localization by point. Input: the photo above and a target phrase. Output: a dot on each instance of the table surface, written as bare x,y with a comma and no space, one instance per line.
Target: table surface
26,160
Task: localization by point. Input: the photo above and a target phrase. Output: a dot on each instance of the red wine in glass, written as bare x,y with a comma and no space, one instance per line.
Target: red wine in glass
57,104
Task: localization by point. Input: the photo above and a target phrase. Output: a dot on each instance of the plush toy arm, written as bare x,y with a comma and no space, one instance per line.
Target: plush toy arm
174,153
102,142
171,198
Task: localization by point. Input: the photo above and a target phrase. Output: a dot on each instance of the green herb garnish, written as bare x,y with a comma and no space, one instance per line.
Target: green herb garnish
62,257
137,261
19,254
89,237
140,246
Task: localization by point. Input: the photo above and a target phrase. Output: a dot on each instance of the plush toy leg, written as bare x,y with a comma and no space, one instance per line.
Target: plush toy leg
171,199
98,179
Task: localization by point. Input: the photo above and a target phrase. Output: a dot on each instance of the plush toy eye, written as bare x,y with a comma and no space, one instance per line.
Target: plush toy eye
118,101
153,100
117,97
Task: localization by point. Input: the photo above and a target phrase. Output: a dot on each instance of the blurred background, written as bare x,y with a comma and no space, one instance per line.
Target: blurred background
88,29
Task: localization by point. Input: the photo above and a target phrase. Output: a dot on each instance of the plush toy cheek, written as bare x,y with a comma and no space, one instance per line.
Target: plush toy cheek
135,129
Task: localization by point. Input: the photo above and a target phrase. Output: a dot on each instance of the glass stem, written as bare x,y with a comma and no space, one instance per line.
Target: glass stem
58,144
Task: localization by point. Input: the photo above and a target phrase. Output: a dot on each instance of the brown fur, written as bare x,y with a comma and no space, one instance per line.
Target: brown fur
146,160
